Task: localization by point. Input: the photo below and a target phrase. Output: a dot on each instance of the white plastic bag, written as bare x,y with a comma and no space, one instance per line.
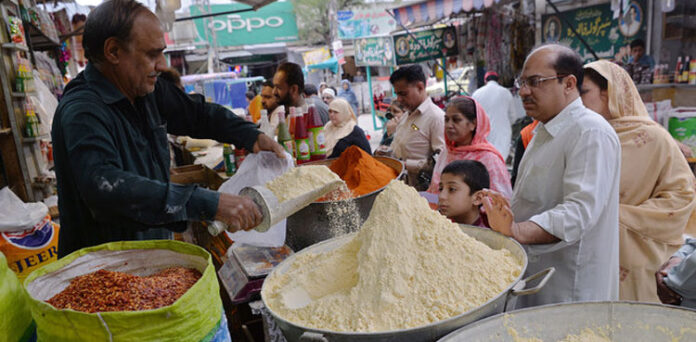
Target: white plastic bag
258,169
16,215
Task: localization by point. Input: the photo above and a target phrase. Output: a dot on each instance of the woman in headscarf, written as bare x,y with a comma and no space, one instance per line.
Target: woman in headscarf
328,95
343,131
347,93
466,129
656,193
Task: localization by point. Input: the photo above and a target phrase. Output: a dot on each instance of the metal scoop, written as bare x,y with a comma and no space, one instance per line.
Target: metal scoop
272,209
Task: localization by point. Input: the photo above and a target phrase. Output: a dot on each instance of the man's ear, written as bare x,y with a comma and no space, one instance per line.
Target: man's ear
112,50
570,83
295,89
478,198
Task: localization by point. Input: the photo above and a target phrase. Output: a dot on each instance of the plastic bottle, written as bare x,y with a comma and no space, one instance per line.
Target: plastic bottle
317,141
301,139
692,72
20,75
677,70
32,122
264,125
685,70
284,137
291,121
228,156
239,156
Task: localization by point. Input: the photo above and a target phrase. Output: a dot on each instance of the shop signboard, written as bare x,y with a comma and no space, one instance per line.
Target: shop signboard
376,51
338,51
274,23
365,22
427,45
605,34
316,56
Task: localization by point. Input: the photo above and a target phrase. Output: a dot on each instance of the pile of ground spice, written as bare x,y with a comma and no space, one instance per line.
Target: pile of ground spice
104,290
407,267
362,173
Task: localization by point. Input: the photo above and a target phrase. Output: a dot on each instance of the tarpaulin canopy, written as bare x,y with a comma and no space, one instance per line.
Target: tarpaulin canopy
331,64
427,11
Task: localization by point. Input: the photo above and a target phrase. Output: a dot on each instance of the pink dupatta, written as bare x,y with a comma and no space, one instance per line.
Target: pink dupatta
480,150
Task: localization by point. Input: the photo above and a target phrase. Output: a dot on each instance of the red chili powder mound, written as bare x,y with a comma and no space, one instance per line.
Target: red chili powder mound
362,173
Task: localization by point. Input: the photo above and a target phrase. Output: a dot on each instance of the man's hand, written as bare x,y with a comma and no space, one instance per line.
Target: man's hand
498,212
238,212
666,295
265,143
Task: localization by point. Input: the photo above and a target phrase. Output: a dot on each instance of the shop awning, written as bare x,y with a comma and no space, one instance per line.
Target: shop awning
428,11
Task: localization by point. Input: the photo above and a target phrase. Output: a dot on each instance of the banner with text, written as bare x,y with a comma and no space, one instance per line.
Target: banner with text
428,45
596,25
377,51
274,23
365,22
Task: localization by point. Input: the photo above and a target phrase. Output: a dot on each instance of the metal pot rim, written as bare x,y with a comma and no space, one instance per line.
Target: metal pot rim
507,292
324,162
549,307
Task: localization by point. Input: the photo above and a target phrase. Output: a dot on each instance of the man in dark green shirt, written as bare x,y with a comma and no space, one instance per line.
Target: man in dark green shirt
110,143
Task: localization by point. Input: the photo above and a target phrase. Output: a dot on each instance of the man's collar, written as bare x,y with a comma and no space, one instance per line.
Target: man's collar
105,88
424,106
563,119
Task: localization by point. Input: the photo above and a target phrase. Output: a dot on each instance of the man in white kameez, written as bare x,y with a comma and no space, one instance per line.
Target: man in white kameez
498,103
565,207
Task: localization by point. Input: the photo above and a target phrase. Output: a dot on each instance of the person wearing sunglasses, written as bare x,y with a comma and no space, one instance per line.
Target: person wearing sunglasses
565,206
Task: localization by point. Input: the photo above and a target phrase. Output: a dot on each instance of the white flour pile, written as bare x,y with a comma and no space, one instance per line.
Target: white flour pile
407,267
301,180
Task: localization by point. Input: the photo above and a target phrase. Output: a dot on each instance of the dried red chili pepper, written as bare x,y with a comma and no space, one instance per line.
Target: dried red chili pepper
104,290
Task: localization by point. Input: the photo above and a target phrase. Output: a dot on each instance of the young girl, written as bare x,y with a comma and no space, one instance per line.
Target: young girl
460,197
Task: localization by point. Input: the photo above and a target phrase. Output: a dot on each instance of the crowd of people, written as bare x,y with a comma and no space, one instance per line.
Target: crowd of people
602,194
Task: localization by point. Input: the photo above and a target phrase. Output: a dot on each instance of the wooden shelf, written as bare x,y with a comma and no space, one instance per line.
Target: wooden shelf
13,46
34,139
645,87
39,40
22,94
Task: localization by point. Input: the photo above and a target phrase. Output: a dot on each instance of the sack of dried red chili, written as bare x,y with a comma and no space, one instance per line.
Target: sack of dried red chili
196,316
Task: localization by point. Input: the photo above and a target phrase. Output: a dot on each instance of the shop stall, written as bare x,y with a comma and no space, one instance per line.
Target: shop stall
33,64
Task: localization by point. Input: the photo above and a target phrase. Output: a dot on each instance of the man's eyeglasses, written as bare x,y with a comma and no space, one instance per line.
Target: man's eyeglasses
535,81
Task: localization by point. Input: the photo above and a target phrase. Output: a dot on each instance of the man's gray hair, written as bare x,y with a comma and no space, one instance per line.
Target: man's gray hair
113,18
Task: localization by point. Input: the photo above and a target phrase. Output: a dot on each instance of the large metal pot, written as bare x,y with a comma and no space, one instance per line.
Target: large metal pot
430,332
622,321
309,225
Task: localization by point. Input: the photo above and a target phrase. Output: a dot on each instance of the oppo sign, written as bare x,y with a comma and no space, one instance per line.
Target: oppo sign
236,22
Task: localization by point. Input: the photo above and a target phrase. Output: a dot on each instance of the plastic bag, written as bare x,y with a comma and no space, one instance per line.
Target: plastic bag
196,316
15,317
258,169
16,215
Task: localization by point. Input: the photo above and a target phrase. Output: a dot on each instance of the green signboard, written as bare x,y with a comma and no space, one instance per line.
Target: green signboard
596,25
428,45
270,24
375,51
